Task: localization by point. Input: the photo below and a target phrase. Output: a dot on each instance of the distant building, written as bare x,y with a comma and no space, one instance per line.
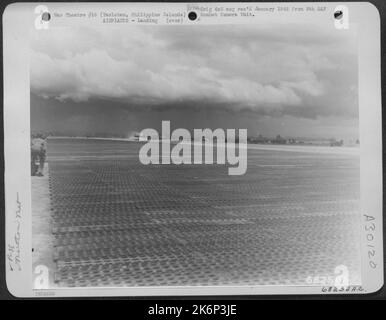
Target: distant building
259,139
335,143
279,140
137,136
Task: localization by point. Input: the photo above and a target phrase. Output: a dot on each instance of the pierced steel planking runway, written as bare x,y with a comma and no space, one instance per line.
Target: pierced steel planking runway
120,223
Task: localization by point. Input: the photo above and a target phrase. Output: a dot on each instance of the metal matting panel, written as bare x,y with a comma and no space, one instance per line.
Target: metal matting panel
119,223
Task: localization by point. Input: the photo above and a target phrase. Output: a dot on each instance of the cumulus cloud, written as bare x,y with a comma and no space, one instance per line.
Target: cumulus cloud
304,72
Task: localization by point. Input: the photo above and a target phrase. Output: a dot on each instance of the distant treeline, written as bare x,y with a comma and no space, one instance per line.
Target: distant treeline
260,139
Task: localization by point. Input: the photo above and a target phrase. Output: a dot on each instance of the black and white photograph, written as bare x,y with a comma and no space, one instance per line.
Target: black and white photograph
198,155
102,218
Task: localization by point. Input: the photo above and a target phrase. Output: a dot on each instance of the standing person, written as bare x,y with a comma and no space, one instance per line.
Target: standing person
38,152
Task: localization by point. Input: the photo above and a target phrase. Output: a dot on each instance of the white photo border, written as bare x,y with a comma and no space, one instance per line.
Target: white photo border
19,18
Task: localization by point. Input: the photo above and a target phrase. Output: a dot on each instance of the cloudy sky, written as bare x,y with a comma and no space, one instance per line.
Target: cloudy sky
287,80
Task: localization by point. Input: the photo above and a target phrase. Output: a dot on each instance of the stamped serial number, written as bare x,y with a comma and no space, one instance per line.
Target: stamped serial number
370,229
